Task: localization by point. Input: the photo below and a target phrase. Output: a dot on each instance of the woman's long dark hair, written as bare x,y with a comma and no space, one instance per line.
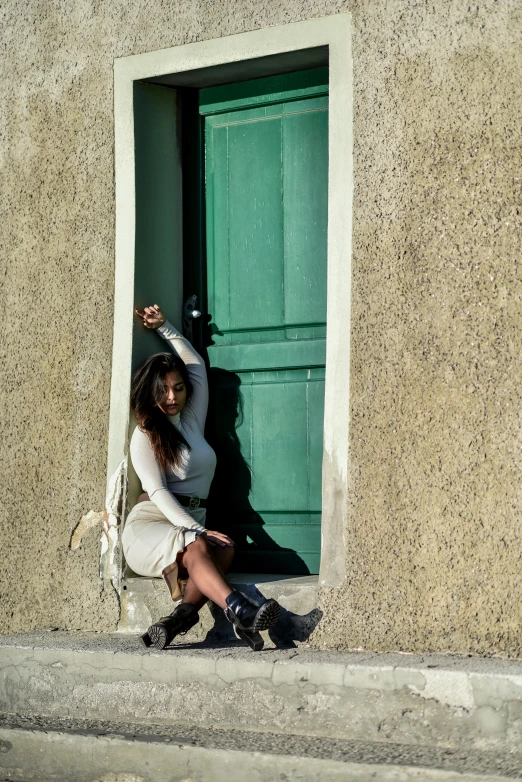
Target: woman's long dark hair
147,391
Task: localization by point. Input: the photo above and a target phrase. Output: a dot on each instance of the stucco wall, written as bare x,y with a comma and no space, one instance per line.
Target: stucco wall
433,541
435,535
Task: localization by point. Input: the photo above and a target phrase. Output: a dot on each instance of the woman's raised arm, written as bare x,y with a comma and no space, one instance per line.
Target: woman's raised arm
153,318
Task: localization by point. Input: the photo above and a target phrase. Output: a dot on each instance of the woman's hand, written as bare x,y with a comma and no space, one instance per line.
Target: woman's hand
217,538
151,317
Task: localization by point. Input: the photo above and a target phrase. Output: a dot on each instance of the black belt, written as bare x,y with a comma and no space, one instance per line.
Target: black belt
190,502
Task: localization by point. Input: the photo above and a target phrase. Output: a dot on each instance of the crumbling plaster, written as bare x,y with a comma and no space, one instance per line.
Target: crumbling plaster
433,539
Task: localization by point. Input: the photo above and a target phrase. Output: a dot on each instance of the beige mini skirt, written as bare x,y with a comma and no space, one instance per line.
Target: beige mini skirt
151,544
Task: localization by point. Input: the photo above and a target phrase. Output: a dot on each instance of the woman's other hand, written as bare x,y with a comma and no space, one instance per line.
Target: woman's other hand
151,317
217,538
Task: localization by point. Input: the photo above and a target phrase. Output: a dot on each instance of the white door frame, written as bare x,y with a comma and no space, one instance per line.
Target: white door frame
335,33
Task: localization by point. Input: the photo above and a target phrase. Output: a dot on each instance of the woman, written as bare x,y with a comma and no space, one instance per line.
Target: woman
164,534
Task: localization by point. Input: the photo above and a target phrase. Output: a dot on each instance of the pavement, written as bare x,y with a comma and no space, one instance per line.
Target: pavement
81,704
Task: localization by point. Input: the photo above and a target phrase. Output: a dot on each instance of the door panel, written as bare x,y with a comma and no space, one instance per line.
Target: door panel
279,451
287,352
305,183
255,253
266,216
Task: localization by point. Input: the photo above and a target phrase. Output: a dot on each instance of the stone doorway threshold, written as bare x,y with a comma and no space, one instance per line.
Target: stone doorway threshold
145,599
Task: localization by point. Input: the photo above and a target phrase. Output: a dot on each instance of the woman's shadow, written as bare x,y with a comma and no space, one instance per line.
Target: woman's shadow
229,508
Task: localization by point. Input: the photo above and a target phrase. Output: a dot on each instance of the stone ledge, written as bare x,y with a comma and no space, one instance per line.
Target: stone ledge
433,700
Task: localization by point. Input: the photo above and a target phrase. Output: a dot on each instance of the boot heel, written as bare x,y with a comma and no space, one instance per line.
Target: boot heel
254,640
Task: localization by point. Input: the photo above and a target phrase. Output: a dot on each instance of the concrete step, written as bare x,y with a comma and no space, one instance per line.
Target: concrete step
59,750
434,701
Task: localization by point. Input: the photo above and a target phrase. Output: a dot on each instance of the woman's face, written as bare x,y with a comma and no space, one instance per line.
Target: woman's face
175,394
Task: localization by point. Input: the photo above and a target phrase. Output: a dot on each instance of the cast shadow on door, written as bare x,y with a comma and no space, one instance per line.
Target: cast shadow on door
228,507
230,510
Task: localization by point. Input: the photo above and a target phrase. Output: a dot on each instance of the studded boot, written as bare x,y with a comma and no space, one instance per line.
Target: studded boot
248,618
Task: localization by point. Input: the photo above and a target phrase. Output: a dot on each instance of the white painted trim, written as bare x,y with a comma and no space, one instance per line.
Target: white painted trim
334,32
123,273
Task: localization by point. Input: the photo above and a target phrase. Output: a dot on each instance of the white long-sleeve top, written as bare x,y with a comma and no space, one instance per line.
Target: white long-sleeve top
194,475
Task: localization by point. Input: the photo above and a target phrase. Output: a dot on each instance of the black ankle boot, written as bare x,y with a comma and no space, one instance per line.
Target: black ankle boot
162,632
247,616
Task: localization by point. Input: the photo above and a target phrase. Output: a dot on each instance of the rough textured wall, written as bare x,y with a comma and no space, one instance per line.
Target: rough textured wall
433,543
57,238
435,536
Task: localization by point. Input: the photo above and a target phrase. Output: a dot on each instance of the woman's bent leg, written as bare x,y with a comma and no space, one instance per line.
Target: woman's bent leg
204,573
223,558
204,565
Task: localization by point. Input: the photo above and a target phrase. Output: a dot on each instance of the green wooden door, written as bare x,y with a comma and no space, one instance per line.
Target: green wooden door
266,163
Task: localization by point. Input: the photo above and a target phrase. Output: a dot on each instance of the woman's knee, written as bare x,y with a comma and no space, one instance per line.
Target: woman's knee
225,556
199,547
